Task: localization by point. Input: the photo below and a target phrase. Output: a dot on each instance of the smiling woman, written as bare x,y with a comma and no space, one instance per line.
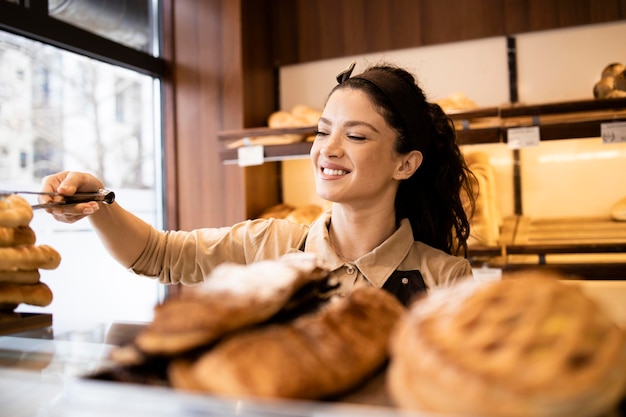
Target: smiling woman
396,220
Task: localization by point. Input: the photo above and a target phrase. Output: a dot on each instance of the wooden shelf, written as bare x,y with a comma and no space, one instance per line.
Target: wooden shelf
298,150
479,135
560,120
564,107
226,135
563,244
525,243
475,113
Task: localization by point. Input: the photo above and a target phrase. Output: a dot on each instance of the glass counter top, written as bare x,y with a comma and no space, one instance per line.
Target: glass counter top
45,372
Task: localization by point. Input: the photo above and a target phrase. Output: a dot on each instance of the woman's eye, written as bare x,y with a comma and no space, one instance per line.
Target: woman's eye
320,133
356,137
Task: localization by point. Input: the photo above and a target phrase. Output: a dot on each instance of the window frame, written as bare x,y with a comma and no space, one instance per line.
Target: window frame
32,21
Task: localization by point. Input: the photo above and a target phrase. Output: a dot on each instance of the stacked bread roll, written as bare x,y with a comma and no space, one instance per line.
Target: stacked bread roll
20,258
612,82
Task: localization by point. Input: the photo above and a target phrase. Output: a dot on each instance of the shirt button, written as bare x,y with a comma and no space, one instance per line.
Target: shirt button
350,269
405,281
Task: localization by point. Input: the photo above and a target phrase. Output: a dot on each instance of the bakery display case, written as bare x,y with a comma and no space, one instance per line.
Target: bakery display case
536,233
53,371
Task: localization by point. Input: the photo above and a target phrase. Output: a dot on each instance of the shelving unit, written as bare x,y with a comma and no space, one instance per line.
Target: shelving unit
556,121
563,120
271,153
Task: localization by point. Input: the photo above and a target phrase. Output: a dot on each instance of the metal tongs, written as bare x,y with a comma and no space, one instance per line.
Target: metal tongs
102,195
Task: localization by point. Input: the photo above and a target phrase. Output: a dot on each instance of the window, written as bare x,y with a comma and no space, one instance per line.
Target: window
87,103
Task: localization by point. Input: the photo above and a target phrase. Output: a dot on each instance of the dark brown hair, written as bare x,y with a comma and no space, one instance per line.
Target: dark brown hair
431,197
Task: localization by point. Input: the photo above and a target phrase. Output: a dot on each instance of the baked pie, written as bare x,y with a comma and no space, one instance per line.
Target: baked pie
527,345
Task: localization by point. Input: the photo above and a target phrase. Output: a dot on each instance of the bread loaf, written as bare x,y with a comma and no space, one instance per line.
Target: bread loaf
17,236
304,214
317,355
307,114
278,211
612,83
620,80
20,277
485,218
616,94
29,258
528,345
282,118
234,296
618,210
15,211
603,87
613,69
38,294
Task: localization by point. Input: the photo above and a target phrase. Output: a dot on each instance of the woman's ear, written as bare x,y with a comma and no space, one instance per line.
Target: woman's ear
410,163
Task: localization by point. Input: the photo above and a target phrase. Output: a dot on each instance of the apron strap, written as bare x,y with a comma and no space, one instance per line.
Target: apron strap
405,285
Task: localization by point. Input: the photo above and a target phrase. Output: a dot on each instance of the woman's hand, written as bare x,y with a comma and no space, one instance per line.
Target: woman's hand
69,183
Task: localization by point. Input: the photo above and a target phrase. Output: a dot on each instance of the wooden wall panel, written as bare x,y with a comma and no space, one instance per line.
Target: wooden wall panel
261,184
444,21
260,85
206,94
310,30
522,16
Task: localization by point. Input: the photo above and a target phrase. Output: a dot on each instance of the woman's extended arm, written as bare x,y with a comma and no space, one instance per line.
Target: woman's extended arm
123,234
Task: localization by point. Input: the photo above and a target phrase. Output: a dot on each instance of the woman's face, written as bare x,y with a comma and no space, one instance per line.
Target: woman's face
353,155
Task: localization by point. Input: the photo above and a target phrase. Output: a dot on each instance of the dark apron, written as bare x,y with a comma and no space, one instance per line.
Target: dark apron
405,285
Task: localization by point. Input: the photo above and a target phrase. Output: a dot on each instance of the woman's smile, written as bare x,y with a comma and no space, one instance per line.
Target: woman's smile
353,151
332,171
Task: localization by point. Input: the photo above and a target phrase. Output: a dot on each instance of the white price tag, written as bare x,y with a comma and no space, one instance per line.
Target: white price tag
250,155
522,137
487,274
613,132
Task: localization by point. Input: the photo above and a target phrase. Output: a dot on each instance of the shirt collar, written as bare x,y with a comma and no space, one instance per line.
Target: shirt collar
375,266
379,264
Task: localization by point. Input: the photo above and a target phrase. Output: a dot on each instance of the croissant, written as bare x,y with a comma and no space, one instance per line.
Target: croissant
232,297
317,355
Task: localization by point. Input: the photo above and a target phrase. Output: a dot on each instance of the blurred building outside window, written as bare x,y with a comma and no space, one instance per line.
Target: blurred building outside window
64,111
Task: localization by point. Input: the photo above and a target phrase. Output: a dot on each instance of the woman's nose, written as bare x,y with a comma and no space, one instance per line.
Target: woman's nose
331,146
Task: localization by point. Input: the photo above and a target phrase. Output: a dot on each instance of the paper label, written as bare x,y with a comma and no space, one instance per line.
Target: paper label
487,274
522,137
613,132
250,155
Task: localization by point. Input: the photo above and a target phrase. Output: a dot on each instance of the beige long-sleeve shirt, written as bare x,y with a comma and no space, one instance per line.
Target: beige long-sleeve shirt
189,257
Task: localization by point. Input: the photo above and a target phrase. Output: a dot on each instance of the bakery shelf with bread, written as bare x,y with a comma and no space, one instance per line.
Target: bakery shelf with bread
493,240
589,247
566,120
559,120
21,260
288,135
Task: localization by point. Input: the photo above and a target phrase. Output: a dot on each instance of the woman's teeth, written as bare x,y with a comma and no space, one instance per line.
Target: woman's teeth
328,171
